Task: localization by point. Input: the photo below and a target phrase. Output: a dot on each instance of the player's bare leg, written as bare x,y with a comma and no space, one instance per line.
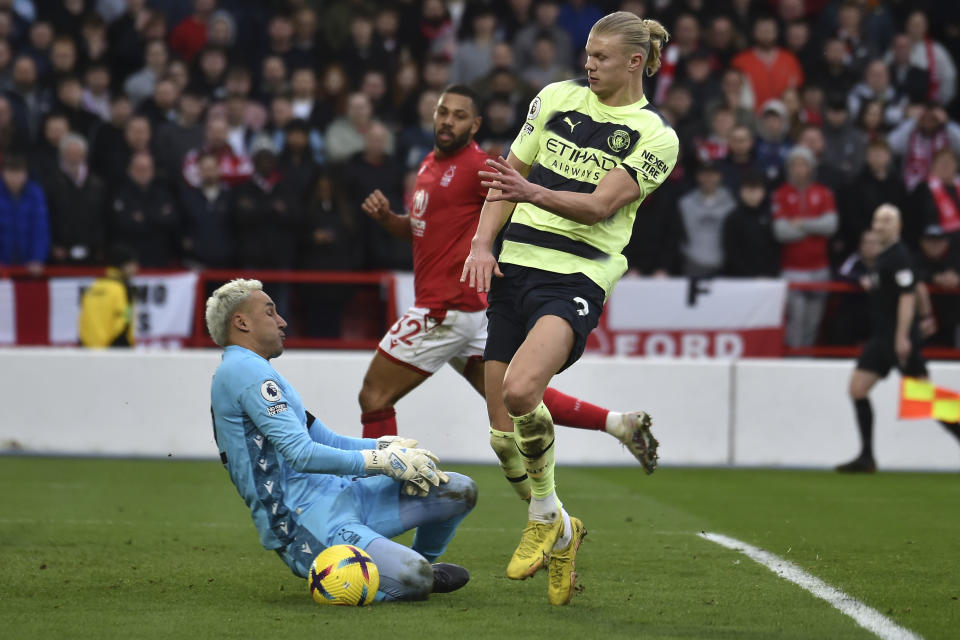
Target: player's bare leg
384,383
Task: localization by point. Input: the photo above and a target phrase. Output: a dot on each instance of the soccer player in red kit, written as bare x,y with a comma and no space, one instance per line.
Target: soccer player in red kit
448,322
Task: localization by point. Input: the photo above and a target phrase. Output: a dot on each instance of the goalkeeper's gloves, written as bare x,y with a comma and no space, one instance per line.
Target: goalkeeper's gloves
385,441
416,468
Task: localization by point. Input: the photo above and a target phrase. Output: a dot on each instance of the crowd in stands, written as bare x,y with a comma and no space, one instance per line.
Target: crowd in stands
245,133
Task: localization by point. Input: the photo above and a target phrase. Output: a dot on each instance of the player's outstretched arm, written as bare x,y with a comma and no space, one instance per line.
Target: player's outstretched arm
377,207
480,265
616,189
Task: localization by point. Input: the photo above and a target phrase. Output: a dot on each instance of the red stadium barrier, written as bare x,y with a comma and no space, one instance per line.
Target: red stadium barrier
376,317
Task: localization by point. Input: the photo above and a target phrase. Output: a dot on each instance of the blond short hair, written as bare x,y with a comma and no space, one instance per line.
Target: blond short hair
639,34
222,304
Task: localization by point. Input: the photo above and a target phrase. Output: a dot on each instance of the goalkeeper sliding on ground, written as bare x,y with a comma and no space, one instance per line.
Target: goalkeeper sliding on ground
309,488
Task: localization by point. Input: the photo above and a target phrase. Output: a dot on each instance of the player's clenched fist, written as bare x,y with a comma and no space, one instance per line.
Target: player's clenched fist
376,205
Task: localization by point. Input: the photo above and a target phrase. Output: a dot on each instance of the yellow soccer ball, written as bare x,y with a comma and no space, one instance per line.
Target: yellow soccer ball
343,575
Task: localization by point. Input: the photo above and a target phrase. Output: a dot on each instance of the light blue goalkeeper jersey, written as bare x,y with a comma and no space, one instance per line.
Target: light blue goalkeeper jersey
279,463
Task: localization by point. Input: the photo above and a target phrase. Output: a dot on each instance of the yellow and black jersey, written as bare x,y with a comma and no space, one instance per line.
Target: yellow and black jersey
106,313
571,141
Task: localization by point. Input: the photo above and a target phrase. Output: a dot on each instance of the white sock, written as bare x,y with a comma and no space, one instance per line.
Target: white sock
615,424
563,541
545,509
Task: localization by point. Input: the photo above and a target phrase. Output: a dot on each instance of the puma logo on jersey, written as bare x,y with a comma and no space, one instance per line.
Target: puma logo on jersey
571,123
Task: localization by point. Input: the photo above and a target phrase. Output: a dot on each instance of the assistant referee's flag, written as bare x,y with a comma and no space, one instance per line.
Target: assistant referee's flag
921,399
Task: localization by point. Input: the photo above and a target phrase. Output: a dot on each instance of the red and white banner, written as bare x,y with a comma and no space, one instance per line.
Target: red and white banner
676,317
718,318
39,312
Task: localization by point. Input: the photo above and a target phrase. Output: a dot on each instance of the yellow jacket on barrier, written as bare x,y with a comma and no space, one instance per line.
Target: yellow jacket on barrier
106,313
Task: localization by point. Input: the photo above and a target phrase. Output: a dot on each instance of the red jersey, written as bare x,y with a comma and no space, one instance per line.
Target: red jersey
444,212
790,203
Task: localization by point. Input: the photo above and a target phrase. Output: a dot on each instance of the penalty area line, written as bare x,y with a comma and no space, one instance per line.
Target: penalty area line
867,617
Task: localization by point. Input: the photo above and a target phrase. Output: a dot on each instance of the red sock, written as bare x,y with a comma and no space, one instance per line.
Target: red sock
382,422
574,412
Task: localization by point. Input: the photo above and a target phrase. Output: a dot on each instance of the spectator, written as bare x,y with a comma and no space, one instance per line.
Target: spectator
835,75
715,145
77,200
366,171
63,58
876,87
436,36
31,102
929,55
178,135
545,22
125,38
330,242
346,134
107,138
280,42
44,154
845,145
363,52
273,79
919,138
139,86
189,36
871,122
800,42
908,79
938,263
24,226
12,136
702,213
850,321
305,41
96,91
474,56
144,215
576,17
498,129
240,130
106,307
210,72
700,78
234,169
222,33
770,69
6,66
876,184
545,67
861,49
296,162
805,216
161,107
749,248
405,94
208,240
685,39
772,145
267,219
740,160
937,199
722,40
736,95
416,141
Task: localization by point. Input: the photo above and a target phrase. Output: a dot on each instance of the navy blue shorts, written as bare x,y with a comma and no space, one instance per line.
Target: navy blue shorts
523,295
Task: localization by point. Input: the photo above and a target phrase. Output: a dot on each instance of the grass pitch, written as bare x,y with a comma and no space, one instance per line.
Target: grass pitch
165,549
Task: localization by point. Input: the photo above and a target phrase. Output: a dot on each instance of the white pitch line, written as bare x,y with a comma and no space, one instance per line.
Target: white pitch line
867,617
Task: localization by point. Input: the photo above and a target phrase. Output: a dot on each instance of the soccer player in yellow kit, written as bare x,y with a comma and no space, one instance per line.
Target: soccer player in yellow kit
589,152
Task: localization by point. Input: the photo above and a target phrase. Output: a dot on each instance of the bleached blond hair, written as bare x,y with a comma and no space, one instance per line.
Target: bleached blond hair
222,304
639,34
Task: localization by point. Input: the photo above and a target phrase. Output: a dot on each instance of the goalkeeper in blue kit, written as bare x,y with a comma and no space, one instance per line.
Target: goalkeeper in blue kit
309,488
